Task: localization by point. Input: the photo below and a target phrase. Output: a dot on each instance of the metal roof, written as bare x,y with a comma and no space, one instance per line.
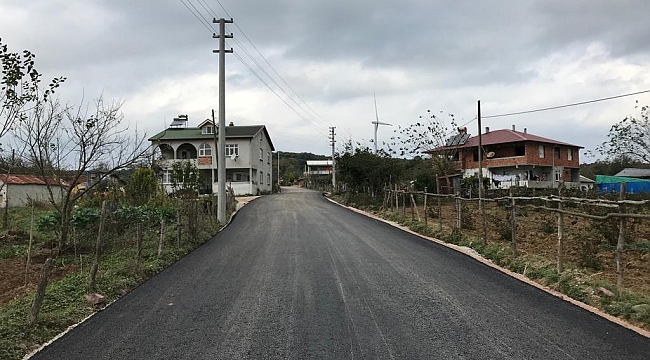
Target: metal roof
319,162
22,179
190,133
584,179
502,137
634,172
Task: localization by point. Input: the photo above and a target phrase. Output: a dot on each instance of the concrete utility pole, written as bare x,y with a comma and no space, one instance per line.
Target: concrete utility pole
278,170
221,151
377,122
481,189
333,141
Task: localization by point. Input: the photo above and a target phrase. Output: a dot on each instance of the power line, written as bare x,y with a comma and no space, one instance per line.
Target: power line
274,92
269,64
207,26
564,106
273,80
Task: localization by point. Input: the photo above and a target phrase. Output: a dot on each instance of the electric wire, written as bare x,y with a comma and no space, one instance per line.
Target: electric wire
268,63
564,106
207,24
273,80
273,91
210,29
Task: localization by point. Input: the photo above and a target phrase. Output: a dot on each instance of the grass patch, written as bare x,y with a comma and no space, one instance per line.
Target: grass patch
64,302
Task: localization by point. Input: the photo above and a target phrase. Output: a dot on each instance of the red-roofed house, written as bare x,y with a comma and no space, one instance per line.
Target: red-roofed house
515,158
19,189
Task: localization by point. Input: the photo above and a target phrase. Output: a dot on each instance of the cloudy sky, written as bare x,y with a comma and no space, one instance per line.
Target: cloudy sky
332,56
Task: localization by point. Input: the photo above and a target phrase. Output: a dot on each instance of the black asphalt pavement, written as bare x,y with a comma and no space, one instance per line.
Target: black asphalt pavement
297,277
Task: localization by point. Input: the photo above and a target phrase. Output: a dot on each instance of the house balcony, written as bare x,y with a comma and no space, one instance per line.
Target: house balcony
169,163
534,184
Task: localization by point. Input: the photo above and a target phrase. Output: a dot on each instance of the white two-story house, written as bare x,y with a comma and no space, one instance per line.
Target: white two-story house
248,155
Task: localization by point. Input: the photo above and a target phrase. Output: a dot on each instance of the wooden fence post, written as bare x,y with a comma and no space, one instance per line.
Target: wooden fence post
439,213
425,206
560,237
404,203
513,222
459,213
178,228
138,235
98,247
29,247
162,237
40,291
396,199
414,208
621,242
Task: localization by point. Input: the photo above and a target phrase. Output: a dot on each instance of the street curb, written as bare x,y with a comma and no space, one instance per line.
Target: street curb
61,334
512,274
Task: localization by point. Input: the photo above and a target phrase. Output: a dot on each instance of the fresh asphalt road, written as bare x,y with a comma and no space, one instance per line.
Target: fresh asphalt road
297,277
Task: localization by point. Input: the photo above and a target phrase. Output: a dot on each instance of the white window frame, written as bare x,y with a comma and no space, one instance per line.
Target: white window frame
208,129
268,179
167,177
232,149
205,150
541,151
261,154
569,154
268,157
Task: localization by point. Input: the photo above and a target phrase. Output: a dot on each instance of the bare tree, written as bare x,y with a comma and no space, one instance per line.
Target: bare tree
429,135
65,142
629,137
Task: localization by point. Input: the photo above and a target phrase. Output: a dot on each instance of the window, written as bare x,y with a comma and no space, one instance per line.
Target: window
268,157
167,177
569,154
261,178
232,149
541,151
268,179
205,150
556,152
261,154
208,129
520,150
557,175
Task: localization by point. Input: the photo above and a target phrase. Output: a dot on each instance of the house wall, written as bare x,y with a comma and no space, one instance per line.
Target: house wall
531,157
248,160
19,195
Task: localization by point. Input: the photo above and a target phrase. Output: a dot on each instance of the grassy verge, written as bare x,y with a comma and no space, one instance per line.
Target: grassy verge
64,302
581,284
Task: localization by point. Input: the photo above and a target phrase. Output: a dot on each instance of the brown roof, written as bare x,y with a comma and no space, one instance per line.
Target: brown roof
502,137
22,179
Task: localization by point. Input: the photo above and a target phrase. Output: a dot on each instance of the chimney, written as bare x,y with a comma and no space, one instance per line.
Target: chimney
231,124
525,131
487,129
513,128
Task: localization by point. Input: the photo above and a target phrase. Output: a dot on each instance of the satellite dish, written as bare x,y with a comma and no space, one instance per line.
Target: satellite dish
490,154
233,157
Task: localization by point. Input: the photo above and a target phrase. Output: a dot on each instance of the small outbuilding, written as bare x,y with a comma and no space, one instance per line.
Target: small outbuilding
613,184
19,189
